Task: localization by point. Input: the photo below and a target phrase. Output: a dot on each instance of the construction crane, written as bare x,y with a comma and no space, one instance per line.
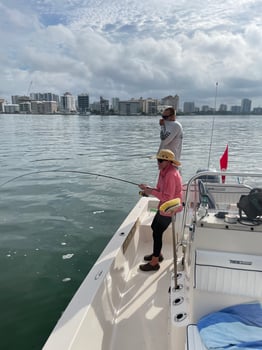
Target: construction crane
29,88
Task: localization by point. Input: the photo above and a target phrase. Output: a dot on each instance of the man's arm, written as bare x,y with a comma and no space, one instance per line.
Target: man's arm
172,134
164,133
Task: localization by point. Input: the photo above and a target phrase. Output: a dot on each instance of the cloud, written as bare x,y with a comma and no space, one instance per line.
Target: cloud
132,48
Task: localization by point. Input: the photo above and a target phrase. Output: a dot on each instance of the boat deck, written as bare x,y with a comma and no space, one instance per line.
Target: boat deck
145,305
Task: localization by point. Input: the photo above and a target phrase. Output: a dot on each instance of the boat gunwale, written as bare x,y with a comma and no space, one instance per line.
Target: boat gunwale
73,316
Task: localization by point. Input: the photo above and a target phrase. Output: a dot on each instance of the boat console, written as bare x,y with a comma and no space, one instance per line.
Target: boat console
222,253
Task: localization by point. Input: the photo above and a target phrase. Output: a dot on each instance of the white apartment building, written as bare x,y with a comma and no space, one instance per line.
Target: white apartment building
11,108
67,103
43,107
2,102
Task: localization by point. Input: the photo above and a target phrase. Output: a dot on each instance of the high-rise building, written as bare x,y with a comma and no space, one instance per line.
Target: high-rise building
25,107
36,96
11,108
222,108
15,99
49,107
47,96
67,103
172,101
205,109
150,106
246,105
37,107
257,110
189,107
236,109
115,104
104,106
83,103
2,102
131,107
19,99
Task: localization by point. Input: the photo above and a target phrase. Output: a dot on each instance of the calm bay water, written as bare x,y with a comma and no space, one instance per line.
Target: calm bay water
53,226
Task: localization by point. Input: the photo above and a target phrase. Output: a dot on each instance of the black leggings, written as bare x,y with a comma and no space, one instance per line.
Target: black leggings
159,225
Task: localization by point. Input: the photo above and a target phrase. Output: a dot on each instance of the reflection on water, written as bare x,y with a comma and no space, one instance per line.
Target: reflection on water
54,225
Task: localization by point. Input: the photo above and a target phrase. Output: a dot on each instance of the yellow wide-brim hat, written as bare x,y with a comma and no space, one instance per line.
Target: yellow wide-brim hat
167,154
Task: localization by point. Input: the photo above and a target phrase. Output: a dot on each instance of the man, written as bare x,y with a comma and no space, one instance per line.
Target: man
169,186
171,133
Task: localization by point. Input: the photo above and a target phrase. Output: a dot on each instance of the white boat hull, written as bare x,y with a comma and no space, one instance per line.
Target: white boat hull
120,307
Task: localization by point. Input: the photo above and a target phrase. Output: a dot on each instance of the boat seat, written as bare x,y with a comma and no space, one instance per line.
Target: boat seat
194,341
228,272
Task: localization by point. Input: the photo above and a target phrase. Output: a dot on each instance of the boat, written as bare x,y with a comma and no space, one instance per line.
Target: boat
212,268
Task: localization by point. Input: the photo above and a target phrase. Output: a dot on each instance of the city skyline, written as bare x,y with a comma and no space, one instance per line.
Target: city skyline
69,103
216,102
133,48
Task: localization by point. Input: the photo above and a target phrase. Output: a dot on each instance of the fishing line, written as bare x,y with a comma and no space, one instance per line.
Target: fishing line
68,171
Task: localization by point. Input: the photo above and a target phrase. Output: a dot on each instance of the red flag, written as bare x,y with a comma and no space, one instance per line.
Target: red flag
223,163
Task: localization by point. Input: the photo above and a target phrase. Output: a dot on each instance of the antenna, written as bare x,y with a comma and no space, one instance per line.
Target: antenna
215,104
213,122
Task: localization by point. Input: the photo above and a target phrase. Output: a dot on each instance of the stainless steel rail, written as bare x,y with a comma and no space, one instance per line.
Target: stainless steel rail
209,173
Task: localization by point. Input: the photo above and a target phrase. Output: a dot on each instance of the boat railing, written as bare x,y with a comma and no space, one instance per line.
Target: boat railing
223,195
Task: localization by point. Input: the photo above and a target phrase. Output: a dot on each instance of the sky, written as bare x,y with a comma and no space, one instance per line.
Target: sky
133,48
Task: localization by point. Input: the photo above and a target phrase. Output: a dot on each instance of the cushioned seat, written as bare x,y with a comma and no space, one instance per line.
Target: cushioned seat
234,327
194,341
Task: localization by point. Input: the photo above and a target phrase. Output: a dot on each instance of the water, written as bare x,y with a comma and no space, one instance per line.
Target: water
53,226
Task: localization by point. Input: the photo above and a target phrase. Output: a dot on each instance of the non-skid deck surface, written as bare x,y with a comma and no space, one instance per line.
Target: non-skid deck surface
142,321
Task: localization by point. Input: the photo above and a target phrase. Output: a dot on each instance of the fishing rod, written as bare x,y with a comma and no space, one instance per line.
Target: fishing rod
212,131
68,171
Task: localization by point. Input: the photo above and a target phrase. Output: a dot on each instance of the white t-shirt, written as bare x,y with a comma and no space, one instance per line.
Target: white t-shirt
171,135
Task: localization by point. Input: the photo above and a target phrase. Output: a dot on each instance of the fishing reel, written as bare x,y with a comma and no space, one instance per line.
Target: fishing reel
142,194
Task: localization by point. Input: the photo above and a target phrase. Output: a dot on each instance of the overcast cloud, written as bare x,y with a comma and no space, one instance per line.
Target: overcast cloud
133,48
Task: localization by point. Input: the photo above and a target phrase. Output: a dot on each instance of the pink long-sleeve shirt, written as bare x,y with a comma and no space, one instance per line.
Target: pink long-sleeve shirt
169,186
